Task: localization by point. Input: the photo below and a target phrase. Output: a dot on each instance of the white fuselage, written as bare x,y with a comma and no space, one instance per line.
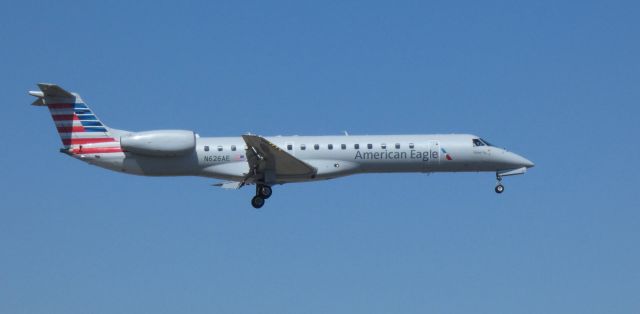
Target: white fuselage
332,156
263,162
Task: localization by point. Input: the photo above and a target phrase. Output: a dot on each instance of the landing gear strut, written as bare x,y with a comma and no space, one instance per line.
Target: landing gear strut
263,192
499,187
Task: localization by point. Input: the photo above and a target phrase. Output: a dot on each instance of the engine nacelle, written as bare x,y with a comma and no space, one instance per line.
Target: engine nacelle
161,143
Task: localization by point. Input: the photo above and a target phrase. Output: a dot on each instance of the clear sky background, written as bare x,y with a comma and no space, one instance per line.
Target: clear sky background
557,82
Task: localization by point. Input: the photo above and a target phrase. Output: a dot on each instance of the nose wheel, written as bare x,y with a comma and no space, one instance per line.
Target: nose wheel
499,187
263,192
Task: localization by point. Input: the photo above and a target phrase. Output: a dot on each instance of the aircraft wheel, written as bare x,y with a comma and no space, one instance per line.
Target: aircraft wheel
257,201
499,188
265,191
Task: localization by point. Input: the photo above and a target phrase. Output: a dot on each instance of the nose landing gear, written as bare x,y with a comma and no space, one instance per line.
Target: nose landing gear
507,172
263,192
499,187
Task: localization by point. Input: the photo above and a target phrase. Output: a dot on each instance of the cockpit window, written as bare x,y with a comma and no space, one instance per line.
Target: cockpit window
485,142
480,142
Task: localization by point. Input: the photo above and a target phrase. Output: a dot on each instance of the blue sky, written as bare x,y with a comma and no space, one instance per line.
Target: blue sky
554,81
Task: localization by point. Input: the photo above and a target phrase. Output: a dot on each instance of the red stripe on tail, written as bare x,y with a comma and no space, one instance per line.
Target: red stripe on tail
64,117
69,129
75,141
60,106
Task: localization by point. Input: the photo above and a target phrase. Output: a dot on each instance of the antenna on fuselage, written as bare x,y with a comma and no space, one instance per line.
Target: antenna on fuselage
346,133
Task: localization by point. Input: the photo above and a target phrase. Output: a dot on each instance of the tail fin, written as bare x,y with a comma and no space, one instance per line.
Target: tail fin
79,128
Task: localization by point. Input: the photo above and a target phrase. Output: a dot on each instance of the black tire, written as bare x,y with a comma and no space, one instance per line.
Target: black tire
257,201
499,188
265,191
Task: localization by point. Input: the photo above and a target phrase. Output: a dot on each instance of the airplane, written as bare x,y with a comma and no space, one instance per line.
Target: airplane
265,161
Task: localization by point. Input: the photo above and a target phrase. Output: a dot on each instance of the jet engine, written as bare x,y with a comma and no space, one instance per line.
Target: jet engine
160,143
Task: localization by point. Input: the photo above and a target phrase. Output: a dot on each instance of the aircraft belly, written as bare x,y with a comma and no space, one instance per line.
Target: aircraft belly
111,161
161,166
228,171
391,166
333,168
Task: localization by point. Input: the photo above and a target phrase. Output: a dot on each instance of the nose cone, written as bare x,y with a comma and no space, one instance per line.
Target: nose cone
518,161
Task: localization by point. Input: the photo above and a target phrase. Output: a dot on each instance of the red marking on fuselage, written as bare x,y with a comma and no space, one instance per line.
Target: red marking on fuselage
97,150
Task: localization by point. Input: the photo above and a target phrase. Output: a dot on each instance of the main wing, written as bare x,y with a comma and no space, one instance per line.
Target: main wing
270,164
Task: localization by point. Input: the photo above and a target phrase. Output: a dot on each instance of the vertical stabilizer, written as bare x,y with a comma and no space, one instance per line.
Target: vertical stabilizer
79,128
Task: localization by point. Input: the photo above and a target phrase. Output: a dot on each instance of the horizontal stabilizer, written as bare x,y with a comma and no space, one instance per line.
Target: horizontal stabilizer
38,102
54,91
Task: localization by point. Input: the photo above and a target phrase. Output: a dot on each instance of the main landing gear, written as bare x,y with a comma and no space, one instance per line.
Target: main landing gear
263,192
499,187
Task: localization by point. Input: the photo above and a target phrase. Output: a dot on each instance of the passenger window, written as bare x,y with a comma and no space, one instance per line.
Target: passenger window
369,146
233,148
397,145
330,146
411,145
356,146
477,142
206,148
343,146
219,148
303,147
316,146
383,146
289,147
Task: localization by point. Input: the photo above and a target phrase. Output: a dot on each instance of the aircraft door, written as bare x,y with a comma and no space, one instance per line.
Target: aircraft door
436,153
428,154
432,152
